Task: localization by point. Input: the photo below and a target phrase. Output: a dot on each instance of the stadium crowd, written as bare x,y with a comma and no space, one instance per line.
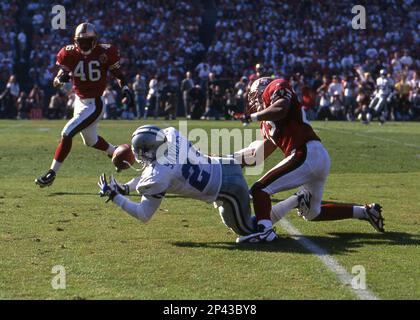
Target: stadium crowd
333,67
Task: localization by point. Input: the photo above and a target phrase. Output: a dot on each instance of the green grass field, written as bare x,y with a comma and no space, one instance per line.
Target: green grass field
185,252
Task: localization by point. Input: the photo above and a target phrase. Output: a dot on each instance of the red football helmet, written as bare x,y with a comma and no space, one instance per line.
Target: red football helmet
255,92
85,37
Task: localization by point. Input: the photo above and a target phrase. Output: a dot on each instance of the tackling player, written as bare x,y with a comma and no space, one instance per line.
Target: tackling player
86,63
173,165
306,163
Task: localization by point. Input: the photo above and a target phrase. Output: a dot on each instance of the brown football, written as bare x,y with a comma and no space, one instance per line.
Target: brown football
122,155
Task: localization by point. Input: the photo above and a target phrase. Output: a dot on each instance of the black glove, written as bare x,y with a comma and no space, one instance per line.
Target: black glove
128,94
64,77
107,190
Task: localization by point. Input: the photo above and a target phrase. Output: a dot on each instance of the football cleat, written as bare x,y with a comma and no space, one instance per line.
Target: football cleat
304,202
46,180
373,213
263,235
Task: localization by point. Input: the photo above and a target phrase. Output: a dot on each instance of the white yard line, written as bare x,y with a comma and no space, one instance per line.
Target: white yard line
11,127
370,137
332,264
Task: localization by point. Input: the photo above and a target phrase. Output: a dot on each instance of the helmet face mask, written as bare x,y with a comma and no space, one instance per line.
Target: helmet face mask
143,155
85,38
86,45
255,101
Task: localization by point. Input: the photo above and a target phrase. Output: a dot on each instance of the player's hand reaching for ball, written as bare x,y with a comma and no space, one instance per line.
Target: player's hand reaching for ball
106,189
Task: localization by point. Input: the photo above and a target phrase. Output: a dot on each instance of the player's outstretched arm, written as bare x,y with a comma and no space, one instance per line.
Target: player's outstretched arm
143,210
255,153
276,111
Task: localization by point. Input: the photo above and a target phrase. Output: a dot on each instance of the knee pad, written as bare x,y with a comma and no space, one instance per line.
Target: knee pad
89,141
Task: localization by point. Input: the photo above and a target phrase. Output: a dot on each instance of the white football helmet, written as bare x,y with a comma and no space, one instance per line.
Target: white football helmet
256,90
85,37
145,143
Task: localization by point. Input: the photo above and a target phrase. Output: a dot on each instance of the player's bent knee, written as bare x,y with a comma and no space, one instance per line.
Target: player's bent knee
89,142
66,137
231,219
311,215
256,189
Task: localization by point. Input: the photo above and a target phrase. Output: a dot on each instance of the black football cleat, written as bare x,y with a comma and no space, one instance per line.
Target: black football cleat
373,214
46,180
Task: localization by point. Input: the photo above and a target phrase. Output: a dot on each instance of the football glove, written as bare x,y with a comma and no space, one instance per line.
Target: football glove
128,94
64,77
61,78
121,188
107,190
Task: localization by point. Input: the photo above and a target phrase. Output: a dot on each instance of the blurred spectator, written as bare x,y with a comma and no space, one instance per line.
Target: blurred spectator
240,93
153,97
110,102
13,87
9,98
203,70
231,106
323,111
170,101
335,88
401,109
337,107
57,106
36,97
22,106
197,101
140,88
186,85
215,104
127,112
350,91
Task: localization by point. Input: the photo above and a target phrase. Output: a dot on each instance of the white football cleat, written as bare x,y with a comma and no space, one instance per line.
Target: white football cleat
265,235
304,202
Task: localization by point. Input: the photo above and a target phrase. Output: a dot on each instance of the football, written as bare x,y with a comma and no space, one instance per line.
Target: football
123,157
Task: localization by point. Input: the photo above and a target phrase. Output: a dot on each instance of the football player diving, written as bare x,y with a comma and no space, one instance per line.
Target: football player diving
173,165
86,63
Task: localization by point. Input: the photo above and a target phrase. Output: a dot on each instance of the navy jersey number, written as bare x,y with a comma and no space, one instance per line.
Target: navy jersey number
196,177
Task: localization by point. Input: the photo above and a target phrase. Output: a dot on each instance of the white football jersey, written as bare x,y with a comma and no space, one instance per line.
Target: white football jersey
384,86
183,171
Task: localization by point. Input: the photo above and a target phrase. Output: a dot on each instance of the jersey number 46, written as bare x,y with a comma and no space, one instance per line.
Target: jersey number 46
93,71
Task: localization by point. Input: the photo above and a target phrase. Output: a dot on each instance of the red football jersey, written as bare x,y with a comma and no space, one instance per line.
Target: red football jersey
294,130
89,72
